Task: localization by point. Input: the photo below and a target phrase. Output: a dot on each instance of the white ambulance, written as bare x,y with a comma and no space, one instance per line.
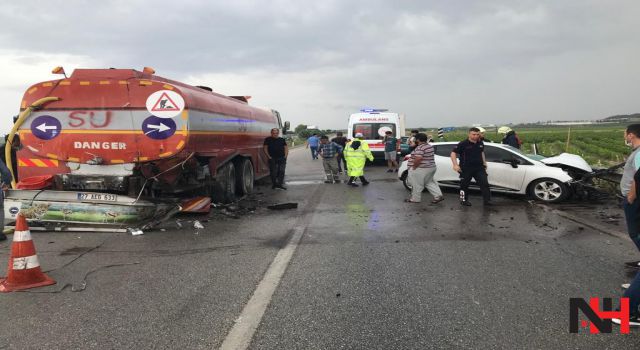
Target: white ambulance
372,124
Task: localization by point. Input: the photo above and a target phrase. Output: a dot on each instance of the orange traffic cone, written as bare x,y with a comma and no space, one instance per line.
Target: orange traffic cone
24,269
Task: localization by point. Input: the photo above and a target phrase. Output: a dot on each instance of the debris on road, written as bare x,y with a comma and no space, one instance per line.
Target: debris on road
135,231
229,214
198,225
283,206
201,204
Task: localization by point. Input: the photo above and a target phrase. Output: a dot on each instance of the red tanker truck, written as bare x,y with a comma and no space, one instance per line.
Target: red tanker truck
115,147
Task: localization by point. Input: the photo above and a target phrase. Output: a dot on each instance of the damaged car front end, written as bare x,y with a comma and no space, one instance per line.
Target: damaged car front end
587,183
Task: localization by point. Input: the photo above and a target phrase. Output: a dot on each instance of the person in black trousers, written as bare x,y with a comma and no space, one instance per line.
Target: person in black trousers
342,141
473,165
277,151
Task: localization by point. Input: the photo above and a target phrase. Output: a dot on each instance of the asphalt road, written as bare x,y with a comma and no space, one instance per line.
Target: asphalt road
364,270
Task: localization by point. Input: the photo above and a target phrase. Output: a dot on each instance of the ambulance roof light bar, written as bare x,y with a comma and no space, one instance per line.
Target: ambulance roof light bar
373,110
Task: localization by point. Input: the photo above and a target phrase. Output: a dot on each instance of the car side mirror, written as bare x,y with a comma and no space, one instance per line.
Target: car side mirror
514,162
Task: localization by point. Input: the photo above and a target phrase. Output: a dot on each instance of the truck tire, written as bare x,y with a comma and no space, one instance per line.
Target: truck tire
244,177
224,190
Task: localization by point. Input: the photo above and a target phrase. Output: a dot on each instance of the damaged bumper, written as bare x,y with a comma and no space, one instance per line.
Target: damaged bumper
84,211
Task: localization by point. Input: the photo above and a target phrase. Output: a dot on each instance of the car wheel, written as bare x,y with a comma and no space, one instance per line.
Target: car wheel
548,190
405,180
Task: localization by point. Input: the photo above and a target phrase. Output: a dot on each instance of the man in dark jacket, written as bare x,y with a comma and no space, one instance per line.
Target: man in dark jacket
277,151
342,141
472,165
510,137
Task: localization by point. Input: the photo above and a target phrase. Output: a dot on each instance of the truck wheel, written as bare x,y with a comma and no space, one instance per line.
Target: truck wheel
224,190
244,177
548,190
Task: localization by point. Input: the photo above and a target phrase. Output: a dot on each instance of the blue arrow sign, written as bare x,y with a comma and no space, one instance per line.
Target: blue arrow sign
46,127
158,128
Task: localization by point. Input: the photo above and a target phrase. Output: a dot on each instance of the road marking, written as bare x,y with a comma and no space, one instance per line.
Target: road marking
241,334
305,182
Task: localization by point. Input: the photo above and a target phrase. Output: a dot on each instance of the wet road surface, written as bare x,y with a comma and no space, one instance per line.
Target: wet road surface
366,271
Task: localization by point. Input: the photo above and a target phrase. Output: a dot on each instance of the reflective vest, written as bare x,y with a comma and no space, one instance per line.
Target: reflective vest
356,158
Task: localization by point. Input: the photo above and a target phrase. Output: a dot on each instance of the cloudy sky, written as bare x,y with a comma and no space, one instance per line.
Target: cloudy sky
441,63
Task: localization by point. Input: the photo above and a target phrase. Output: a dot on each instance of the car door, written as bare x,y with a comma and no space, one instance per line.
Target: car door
445,175
506,169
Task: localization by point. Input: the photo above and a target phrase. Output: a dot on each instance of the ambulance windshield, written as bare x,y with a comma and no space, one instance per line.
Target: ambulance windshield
373,131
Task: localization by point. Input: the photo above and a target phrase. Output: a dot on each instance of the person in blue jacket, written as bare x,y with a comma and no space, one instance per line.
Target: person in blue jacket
313,142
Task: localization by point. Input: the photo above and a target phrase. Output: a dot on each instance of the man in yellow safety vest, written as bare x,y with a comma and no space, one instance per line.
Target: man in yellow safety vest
356,154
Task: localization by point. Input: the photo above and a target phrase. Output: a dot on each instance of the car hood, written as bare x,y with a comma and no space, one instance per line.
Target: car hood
568,159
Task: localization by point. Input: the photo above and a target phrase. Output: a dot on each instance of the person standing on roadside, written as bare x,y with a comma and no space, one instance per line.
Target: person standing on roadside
342,141
391,147
329,152
482,135
473,165
422,169
633,289
510,137
312,143
363,144
633,293
277,151
6,178
412,140
356,156
631,203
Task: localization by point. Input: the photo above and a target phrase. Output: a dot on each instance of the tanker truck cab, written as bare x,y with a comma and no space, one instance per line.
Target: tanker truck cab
372,124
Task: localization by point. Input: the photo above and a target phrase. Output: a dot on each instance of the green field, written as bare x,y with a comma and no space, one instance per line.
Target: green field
600,146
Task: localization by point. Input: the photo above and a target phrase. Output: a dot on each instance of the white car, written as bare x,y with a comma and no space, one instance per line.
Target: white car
511,171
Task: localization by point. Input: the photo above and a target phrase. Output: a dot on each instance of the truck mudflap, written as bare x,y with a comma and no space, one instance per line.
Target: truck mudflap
85,211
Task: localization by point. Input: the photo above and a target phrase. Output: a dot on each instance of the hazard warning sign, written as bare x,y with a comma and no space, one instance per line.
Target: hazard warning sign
165,104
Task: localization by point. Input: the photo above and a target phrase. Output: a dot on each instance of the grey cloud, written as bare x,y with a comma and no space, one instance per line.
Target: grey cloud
456,59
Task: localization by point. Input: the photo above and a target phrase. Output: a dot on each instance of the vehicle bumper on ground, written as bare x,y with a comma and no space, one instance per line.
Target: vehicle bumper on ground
81,211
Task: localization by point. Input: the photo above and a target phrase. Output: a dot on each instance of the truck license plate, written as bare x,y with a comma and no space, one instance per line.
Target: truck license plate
105,197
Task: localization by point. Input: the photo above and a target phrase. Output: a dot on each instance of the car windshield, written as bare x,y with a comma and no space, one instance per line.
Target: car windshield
511,148
535,156
528,155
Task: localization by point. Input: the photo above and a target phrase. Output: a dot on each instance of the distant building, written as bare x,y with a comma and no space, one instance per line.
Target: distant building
585,122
